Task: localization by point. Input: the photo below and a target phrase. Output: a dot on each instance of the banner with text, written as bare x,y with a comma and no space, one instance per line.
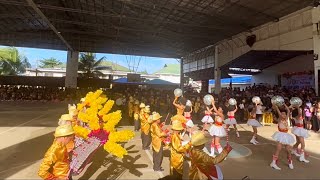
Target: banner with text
298,81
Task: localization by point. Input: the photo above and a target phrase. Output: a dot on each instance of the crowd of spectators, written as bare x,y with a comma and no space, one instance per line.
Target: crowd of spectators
161,100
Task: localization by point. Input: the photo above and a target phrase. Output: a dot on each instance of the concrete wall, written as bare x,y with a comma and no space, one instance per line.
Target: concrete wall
268,77
170,78
292,32
297,64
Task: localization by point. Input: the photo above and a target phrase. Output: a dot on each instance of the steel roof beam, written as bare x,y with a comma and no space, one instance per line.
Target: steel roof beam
43,17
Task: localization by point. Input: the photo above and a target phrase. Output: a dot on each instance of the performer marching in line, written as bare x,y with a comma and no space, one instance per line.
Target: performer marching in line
207,119
145,129
136,111
187,115
232,109
130,108
177,151
253,123
56,163
283,138
217,130
180,106
300,133
157,134
202,163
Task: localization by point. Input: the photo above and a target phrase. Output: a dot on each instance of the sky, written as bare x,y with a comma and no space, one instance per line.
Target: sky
150,64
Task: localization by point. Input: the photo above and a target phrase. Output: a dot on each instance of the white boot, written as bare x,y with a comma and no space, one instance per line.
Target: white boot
182,135
253,141
219,149
295,152
290,164
237,133
302,158
274,165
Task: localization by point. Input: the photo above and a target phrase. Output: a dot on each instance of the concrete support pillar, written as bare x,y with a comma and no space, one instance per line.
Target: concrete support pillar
316,44
181,74
72,69
205,86
217,72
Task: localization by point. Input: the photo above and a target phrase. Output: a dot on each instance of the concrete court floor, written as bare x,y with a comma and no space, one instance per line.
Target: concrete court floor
26,132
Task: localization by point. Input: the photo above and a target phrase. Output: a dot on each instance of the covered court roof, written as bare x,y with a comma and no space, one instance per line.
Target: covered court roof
162,28
259,60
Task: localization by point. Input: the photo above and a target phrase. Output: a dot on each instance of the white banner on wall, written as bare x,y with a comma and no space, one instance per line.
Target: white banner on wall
298,81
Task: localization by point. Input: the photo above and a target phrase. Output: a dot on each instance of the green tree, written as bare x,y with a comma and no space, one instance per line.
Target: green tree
50,63
90,66
12,62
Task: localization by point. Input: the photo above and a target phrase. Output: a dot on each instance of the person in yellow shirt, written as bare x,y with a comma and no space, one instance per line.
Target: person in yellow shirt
157,134
204,166
145,129
56,164
177,150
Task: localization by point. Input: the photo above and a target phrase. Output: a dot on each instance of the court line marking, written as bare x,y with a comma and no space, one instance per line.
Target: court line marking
150,158
24,123
314,157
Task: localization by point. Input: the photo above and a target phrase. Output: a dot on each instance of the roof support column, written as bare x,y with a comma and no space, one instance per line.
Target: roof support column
72,69
181,75
316,45
205,86
217,72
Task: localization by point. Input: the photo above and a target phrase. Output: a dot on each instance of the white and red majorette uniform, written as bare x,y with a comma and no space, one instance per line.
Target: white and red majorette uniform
189,121
207,118
282,136
217,128
230,121
253,122
298,129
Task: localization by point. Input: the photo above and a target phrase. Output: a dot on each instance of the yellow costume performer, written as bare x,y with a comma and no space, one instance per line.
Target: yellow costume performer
177,150
157,134
136,112
130,107
267,118
179,116
56,162
67,119
145,129
204,166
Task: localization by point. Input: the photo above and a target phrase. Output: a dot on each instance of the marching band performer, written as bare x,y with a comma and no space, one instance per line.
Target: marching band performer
136,111
231,120
177,151
180,106
207,119
145,129
283,138
65,119
253,123
56,164
300,133
202,163
217,130
130,108
187,115
157,135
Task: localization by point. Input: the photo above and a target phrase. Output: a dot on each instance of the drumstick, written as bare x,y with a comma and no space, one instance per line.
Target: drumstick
227,135
166,118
